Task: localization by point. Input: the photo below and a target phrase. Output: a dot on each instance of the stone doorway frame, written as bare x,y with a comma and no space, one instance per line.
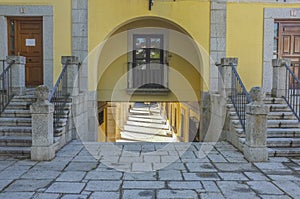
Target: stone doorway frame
46,12
270,14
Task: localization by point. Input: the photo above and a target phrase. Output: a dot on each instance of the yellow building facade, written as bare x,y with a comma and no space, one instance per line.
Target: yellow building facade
172,44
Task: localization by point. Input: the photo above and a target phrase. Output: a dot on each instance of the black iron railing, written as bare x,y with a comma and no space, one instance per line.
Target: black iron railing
59,97
239,96
6,93
292,90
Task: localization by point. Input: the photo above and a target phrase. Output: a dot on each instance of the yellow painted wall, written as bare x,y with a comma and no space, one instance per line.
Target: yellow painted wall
62,22
245,31
106,16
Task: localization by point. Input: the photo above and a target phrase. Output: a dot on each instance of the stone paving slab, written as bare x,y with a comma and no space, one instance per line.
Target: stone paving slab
149,170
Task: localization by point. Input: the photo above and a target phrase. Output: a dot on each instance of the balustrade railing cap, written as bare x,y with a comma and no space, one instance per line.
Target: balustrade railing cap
229,61
69,59
16,59
281,62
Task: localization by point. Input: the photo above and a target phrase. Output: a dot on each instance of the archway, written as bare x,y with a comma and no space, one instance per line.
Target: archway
150,59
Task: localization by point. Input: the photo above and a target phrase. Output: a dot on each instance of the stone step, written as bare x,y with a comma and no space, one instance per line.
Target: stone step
278,107
66,106
279,132
15,121
281,115
58,131
16,113
15,141
271,100
16,151
139,111
15,131
236,123
24,98
61,122
271,116
272,108
148,124
284,152
146,130
283,142
145,137
279,142
283,124
150,120
18,106
158,117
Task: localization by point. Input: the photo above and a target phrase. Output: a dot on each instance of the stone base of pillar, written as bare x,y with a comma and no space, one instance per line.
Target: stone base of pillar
42,153
256,154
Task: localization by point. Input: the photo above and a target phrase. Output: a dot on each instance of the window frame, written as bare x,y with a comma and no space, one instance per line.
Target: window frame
147,32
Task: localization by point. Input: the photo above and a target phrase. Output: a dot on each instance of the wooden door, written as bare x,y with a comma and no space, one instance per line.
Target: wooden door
28,42
289,43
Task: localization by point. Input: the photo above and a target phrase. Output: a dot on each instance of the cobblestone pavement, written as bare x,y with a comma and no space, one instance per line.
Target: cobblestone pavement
149,170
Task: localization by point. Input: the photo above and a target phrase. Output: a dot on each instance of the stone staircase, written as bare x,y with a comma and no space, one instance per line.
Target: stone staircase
15,125
283,134
146,125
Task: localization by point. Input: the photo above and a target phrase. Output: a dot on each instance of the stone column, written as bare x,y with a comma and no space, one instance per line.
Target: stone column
255,149
42,126
279,77
226,74
218,12
72,83
17,74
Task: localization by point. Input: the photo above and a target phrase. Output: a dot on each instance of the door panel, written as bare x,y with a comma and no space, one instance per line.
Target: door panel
29,43
289,44
297,44
286,44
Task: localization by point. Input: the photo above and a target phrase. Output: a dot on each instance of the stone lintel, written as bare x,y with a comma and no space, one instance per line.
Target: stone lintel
229,61
70,59
280,62
18,59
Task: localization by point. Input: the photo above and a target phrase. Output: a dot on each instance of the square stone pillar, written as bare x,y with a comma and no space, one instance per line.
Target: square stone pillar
42,126
225,82
279,77
72,82
255,149
17,74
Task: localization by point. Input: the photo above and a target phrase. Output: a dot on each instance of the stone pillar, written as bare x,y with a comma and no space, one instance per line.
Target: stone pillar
42,126
255,149
72,83
279,77
17,74
218,12
226,74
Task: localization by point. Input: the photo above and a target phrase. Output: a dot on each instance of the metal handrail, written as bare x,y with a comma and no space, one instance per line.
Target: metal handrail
59,97
292,91
6,93
59,80
239,96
